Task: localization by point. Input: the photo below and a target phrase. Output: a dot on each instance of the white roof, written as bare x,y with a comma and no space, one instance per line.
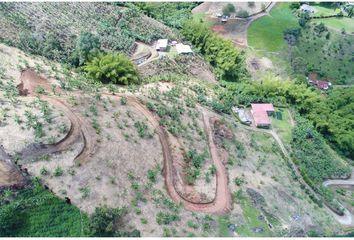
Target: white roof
161,43
181,48
307,7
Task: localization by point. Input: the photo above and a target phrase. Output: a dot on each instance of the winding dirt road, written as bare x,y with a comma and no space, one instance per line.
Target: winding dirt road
79,128
347,218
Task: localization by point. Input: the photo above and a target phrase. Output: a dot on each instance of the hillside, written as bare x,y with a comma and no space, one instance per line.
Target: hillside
52,29
104,135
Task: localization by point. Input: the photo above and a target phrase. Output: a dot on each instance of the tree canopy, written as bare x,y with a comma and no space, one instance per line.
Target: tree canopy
228,61
113,68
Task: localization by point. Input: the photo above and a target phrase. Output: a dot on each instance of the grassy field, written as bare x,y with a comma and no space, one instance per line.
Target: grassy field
283,126
266,33
324,11
36,212
338,23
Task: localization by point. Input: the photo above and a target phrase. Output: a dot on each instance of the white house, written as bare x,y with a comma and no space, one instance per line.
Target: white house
307,8
161,45
183,49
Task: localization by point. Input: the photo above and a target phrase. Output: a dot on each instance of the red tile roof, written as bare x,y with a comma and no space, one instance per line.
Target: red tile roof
260,113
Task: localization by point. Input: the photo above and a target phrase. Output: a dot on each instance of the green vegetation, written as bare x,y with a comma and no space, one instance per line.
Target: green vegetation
228,61
252,219
314,159
228,9
171,14
73,30
36,212
87,45
266,33
196,161
282,125
332,116
103,223
324,51
112,68
338,23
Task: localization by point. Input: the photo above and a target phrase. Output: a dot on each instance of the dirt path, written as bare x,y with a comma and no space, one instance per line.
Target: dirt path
347,218
79,129
222,201
144,54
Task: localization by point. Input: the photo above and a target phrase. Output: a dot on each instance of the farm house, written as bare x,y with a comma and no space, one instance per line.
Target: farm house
260,112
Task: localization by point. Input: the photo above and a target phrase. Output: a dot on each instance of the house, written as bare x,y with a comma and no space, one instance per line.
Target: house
307,8
260,112
161,45
183,49
323,85
320,84
243,115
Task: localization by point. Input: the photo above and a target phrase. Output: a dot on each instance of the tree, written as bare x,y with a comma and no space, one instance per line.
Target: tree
112,68
349,9
228,9
243,14
251,4
87,45
104,220
228,61
304,17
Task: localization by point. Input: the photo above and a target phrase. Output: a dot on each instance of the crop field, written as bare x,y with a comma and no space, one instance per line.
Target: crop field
36,212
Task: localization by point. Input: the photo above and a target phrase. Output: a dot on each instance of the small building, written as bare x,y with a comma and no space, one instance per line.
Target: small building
261,112
161,45
320,84
243,115
183,49
307,8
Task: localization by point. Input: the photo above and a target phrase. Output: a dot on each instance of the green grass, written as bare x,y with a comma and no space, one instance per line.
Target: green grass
338,23
266,33
321,11
251,215
283,127
36,212
224,221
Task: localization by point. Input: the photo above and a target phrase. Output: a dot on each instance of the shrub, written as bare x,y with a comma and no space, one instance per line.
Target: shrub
102,221
228,9
112,68
58,172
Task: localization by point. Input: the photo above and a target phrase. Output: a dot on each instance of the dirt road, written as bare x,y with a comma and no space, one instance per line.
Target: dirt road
222,202
79,130
347,218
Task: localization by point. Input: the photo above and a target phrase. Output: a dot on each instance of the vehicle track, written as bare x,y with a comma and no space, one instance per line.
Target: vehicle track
222,202
79,128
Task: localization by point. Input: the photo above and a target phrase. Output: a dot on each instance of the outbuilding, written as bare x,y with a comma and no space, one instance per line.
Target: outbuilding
183,49
161,45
